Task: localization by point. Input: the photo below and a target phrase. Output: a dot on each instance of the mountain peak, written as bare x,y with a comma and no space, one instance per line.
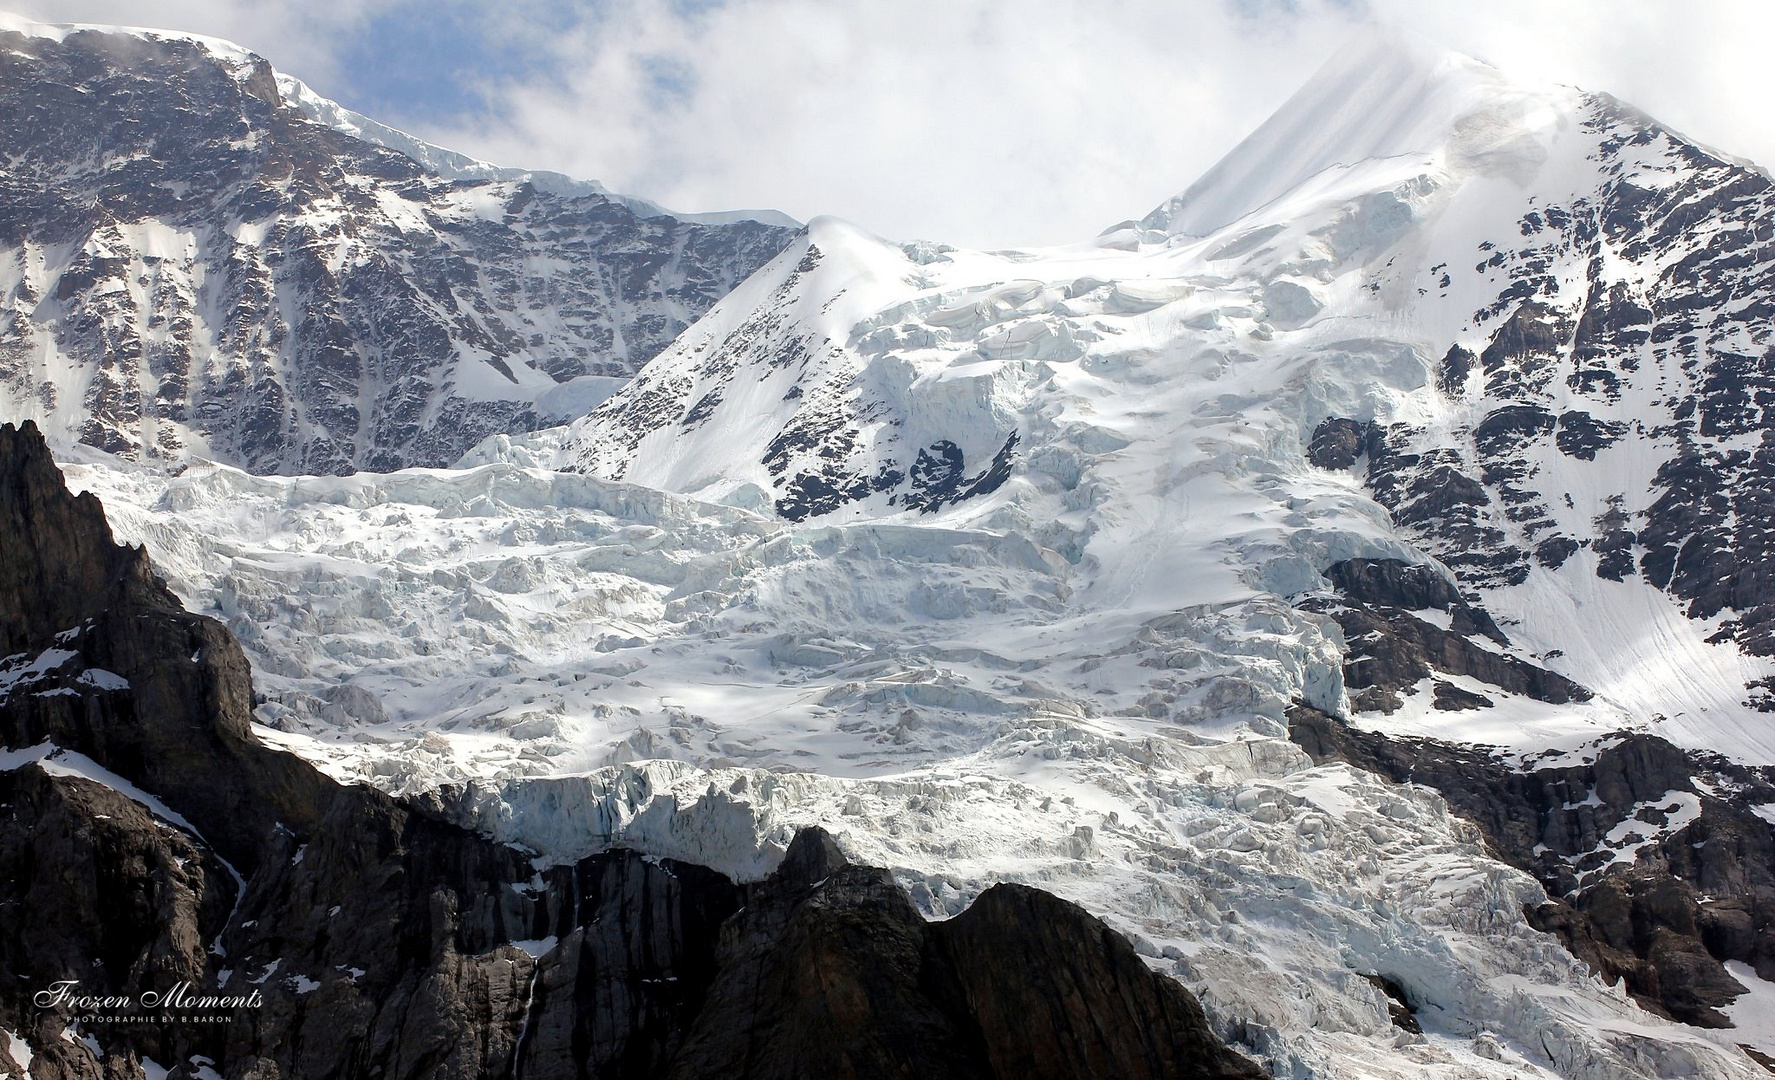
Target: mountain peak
1386,94
136,157
226,51
440,161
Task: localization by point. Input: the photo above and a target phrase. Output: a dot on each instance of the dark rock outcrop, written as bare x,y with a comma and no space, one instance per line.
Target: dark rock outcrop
1399,1008
1338,442
1392,583
1390,650
1011,987
148,842
1028,965
1662,908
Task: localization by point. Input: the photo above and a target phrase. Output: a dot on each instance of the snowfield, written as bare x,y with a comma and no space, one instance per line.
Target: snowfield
753,591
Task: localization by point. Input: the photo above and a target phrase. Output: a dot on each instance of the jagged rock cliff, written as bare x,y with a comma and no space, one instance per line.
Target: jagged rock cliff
189,262
151,842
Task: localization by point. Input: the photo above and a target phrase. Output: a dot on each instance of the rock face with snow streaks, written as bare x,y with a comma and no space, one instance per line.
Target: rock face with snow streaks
1659,870
1631,315
190,263
1391,648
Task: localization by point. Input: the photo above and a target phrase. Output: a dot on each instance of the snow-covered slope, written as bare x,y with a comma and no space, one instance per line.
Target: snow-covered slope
1488,286
200,256
1020,565
1392,102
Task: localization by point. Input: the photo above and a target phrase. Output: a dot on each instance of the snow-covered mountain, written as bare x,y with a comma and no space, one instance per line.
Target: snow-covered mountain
1344,580
1423,312
199,255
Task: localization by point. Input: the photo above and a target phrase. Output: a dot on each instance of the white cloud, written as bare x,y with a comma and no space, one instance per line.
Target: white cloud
995,123
971,121
1698,66
983,122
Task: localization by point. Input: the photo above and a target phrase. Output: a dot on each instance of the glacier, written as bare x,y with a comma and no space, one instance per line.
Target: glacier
995,565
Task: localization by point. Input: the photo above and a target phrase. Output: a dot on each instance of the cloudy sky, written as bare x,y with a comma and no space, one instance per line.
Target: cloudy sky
980,122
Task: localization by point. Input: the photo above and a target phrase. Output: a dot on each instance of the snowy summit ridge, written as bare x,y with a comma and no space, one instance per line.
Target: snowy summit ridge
1388,96
438,160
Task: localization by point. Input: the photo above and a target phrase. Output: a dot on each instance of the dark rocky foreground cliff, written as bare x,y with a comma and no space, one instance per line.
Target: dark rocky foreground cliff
147,841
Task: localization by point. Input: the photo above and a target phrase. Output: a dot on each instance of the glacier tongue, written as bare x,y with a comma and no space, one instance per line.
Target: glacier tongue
573,662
